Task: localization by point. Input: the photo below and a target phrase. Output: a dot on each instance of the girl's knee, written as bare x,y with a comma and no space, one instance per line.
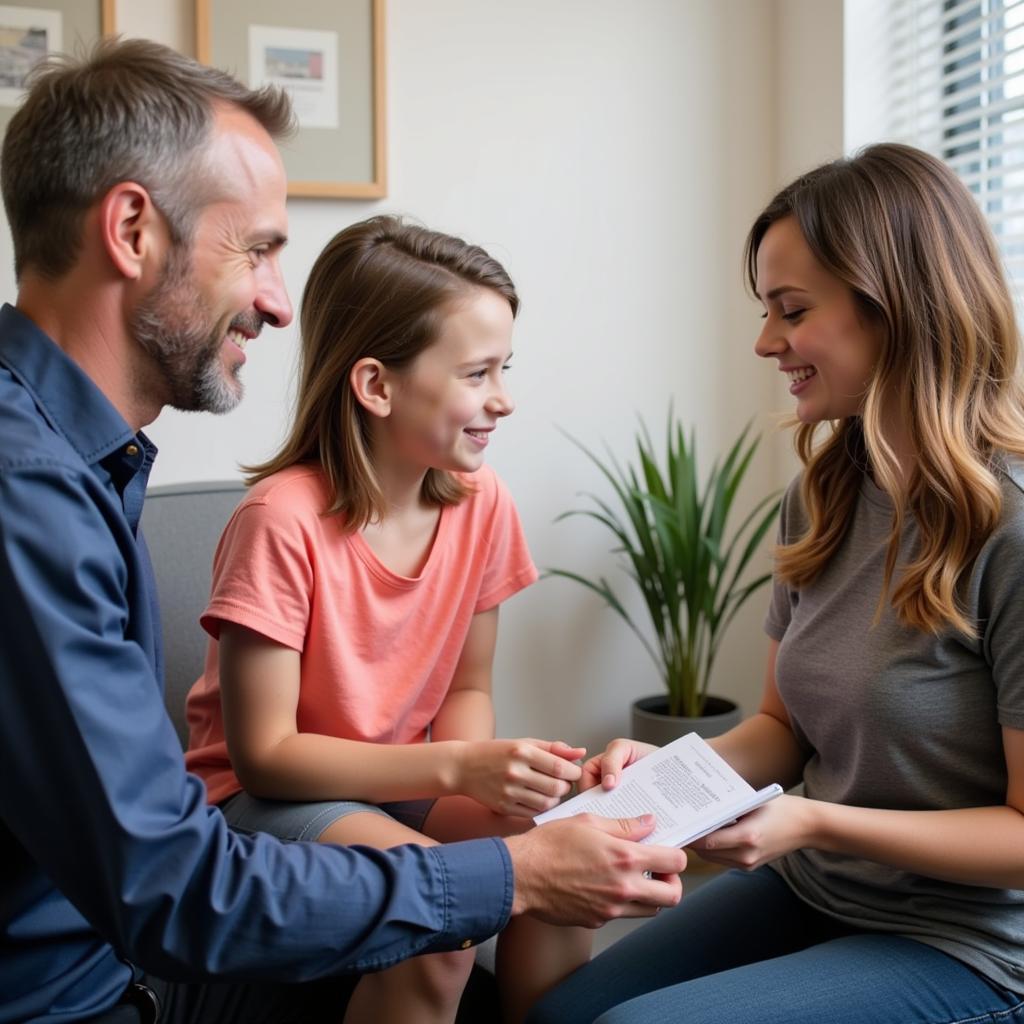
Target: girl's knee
443,976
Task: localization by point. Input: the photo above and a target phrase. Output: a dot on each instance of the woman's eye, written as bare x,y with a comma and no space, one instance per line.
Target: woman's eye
478,375
793,314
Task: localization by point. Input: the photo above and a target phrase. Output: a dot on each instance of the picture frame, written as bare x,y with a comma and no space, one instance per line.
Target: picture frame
329,55
30,29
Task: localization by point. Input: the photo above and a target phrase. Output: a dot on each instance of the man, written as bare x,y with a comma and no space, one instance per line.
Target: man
146,201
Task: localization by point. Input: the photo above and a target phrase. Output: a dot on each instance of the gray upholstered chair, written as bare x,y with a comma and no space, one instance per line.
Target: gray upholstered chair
182,524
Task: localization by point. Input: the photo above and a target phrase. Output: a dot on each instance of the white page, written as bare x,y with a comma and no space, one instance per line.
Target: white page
689,789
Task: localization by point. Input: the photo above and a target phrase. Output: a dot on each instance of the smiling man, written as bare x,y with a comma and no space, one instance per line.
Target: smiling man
146,200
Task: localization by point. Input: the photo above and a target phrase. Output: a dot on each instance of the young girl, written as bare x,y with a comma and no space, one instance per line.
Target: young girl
355,599
892,890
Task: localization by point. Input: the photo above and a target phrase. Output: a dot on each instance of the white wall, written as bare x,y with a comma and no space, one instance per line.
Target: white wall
612,155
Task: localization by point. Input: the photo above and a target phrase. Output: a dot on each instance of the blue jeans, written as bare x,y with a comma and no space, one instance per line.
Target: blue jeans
742,949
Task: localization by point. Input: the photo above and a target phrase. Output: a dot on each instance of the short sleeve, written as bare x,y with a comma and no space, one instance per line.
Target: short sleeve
996,586
509,567
783,596
262,574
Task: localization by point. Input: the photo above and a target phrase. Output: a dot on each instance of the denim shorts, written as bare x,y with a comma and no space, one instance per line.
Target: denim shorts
306,822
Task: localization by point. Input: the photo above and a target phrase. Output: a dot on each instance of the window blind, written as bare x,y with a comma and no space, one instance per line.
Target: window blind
955,87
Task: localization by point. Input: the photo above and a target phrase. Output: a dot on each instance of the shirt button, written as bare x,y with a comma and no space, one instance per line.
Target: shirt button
466,943
132,450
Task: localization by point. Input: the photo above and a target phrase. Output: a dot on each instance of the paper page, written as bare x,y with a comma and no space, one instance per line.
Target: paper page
689,789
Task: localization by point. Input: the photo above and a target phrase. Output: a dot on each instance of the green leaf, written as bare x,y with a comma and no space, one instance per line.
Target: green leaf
671,536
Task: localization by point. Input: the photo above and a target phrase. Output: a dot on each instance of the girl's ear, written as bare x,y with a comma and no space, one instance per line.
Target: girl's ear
372,386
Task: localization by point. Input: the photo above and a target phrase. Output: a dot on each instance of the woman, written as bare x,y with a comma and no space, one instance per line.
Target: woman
893,889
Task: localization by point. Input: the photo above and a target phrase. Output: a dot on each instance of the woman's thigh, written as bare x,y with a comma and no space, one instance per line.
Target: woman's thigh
858,979
736,918
742,949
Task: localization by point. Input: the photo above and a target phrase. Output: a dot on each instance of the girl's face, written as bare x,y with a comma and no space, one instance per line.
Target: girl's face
813,327
450,398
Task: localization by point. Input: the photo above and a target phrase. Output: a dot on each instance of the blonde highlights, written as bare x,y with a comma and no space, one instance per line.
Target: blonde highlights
379,289
903,233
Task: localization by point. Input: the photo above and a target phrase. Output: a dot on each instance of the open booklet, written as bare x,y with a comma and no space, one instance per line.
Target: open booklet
689,789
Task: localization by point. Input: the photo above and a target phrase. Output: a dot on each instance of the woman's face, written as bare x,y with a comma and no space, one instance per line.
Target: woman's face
813,328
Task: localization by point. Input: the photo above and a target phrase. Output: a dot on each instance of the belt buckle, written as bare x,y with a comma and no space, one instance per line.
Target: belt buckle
145,1000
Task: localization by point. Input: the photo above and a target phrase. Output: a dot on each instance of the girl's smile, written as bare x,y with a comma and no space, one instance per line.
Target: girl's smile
445,405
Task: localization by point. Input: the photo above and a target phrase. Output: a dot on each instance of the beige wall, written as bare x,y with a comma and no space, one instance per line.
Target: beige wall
612,155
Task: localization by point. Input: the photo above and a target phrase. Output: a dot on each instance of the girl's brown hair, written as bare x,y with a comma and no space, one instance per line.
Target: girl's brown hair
899,228
380,289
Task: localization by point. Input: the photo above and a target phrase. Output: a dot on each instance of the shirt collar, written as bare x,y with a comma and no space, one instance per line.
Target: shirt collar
72,404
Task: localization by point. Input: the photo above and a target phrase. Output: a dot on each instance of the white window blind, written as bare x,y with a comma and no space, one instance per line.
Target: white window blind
954,77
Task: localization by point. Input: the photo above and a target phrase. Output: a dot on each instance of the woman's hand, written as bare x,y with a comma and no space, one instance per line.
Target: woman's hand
518,777
605,769
776,828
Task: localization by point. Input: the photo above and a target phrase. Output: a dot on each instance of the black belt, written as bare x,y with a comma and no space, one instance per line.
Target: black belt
138,1005
145,1000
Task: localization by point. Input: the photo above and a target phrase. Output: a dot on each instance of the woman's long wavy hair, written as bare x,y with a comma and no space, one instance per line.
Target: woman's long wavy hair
900,229
380,289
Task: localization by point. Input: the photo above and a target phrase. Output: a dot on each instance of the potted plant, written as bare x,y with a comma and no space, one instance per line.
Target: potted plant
672,534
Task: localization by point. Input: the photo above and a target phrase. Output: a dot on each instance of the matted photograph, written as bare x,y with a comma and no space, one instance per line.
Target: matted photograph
32,29
304,63
328,55
26,36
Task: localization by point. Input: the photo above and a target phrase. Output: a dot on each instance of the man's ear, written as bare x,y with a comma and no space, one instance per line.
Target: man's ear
372,385
132,229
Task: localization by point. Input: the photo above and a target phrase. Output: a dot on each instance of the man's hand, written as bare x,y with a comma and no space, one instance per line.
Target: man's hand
587,870
519,777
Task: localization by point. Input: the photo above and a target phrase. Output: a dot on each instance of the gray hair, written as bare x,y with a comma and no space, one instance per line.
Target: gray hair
131,110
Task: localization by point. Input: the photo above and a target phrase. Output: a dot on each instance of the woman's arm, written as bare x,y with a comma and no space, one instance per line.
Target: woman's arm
762,748
260,681
976,846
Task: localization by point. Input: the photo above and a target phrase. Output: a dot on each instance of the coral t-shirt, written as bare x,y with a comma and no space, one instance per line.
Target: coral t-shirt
378,650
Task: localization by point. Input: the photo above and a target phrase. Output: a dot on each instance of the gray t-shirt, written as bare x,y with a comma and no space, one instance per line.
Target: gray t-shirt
896,718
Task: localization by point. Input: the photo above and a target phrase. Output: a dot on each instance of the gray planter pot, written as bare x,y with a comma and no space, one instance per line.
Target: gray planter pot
651,722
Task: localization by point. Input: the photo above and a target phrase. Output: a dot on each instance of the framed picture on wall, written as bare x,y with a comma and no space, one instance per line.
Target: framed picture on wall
31,29
328,55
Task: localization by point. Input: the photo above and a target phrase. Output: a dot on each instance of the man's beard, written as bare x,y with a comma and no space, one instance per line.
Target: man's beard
173,326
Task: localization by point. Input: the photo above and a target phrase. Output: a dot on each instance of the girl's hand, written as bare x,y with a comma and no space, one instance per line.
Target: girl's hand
606,769
517,777
776,828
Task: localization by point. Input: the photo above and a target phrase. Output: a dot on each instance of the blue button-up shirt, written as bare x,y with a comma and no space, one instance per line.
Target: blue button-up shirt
111,855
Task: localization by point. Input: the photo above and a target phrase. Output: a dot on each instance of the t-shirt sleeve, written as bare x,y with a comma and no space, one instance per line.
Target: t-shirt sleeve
997,579
262,574
783,596
509,566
